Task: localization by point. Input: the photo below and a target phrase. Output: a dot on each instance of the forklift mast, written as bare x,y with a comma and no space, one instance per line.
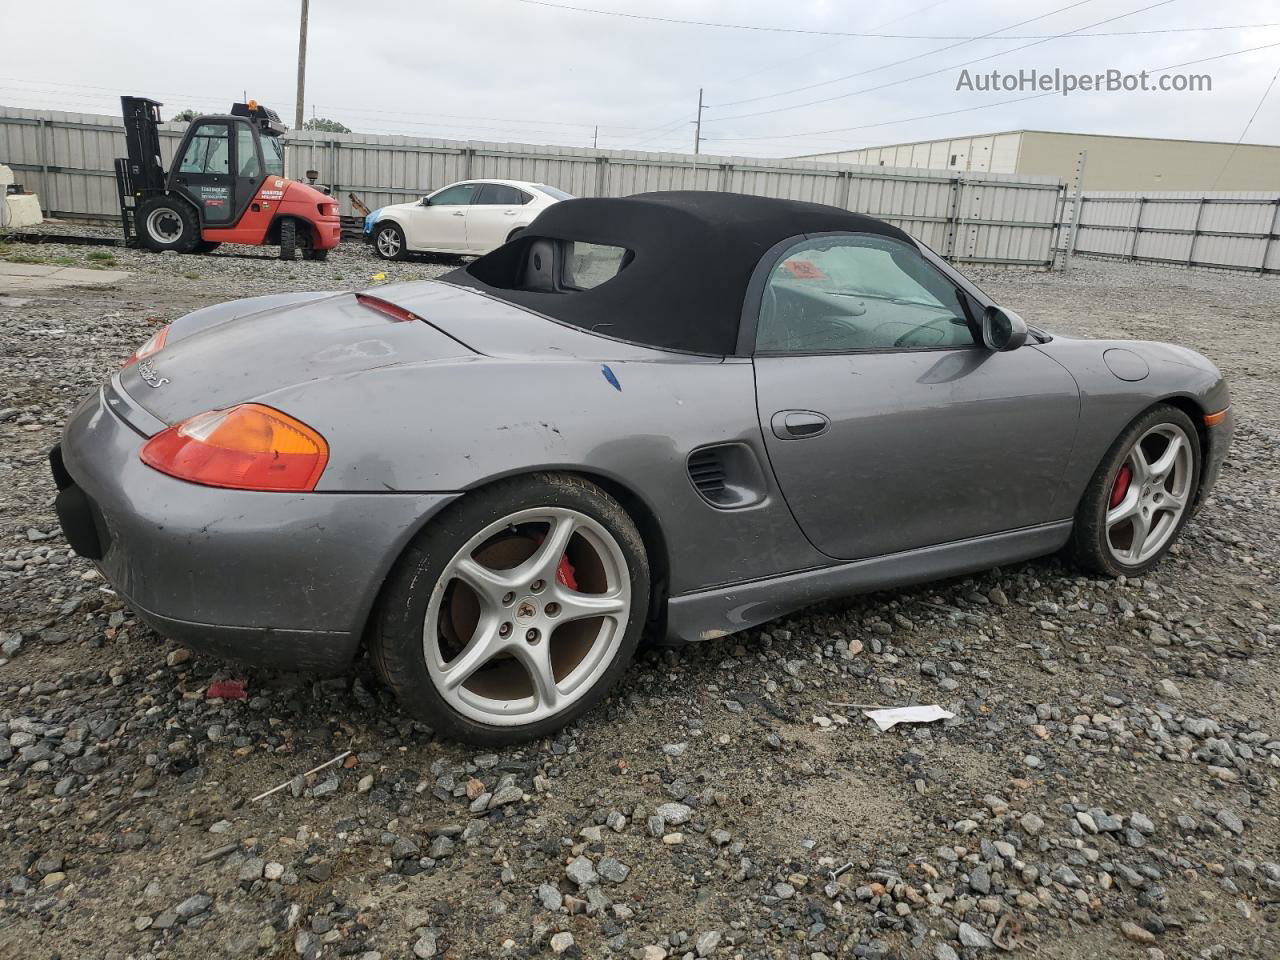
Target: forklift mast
143,170
142,136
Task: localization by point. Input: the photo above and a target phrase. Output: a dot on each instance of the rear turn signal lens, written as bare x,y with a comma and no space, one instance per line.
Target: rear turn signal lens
153,345
249,447
1213,419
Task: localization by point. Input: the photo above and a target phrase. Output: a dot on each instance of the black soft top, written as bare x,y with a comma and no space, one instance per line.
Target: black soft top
693,256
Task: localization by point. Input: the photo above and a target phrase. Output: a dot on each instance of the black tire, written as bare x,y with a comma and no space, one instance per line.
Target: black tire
1089,544
315,255
167,223
396,634
288,238
207,246
396,243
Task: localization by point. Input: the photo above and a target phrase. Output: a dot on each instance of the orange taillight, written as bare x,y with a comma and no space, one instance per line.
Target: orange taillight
248,447
153,345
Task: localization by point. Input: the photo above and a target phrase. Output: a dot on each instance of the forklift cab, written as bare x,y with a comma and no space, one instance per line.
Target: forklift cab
223,160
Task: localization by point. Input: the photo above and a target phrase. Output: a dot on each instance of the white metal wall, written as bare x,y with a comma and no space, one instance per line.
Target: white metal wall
995,218
1237,231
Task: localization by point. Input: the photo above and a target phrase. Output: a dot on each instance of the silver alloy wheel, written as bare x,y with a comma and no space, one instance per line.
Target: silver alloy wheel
388,242
164,225
1150,493
527,616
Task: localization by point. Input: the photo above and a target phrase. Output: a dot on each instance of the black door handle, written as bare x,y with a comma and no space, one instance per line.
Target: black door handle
799,424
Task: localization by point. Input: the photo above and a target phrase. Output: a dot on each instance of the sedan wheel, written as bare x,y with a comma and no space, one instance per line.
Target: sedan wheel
1141,495
389,242
538,589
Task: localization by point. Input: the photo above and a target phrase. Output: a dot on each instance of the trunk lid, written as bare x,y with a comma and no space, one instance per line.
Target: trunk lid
237,360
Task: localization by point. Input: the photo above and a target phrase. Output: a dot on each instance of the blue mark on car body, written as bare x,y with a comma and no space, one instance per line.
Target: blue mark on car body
611,377
370,220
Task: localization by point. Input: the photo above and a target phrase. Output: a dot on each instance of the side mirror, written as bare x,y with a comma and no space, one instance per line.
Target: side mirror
1003,330
426,201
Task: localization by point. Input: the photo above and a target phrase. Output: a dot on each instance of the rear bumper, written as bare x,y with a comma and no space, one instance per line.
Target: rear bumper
328,232
284,580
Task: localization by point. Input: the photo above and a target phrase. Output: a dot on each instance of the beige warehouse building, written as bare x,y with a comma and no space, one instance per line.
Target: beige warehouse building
1114,163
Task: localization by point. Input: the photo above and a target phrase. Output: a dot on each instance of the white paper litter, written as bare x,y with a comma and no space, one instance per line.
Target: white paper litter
888,717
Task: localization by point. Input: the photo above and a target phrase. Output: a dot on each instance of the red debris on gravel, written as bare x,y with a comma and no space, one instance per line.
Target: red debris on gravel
227,690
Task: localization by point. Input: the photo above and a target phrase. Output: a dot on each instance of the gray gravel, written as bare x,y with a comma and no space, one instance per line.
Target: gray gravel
1107,787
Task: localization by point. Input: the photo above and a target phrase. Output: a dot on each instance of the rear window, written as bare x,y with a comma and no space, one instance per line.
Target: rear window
554,192
587,265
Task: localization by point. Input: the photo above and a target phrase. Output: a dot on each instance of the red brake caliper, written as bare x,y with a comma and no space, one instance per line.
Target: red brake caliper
1123,478
566,575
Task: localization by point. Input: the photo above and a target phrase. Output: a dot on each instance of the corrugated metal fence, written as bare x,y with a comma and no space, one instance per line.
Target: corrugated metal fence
986,218
1233,231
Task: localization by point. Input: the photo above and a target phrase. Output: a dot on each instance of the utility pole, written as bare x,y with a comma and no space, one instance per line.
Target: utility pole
302,63
595,138
698,126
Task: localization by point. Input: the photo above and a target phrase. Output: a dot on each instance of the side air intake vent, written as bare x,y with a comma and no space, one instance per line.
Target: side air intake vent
727,475
707,473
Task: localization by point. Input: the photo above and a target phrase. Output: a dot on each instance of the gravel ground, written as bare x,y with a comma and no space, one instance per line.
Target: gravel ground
1107,788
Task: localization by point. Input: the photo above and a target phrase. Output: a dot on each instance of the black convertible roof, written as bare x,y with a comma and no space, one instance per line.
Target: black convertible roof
693,256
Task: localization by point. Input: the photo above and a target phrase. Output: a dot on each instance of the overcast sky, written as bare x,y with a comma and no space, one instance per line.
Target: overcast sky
509,70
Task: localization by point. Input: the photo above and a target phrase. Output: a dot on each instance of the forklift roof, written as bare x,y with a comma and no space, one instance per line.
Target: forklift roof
266,118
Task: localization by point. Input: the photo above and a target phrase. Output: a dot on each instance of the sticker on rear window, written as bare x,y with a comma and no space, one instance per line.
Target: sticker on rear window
803,270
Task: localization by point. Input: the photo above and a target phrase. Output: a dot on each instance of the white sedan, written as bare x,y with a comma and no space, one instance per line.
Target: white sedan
470,217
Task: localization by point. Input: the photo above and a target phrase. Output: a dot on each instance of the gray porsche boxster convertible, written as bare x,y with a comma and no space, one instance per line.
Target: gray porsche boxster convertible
685,413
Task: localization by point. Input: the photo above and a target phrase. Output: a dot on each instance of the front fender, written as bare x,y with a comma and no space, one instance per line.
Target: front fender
1109,403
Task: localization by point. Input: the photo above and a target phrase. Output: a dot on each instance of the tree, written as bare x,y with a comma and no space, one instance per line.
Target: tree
188,115
325,125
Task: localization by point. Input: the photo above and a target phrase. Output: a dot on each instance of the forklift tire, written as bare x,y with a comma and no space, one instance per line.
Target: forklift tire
310,253
207,246
167,223
288,238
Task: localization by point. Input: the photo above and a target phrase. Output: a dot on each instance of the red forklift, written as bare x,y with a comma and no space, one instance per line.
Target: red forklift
226,185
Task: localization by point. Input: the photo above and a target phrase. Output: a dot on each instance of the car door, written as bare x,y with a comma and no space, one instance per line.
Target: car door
887,424
440,221
494,213
203,172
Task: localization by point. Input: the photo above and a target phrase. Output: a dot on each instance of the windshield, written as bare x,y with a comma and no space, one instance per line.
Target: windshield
553,192
273,155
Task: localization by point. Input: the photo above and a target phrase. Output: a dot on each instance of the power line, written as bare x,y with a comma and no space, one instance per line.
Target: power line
894,63
934,73
1245,132
854,33
982,106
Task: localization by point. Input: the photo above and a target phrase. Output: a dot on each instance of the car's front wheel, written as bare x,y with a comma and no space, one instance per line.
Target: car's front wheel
1141,495
388,241
515,610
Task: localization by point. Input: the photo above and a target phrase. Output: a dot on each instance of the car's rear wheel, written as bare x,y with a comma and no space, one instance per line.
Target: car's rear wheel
515,610
1141,496
388,241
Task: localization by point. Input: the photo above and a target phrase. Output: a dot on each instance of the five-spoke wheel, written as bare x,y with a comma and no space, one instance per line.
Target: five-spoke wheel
1141,495
515,611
